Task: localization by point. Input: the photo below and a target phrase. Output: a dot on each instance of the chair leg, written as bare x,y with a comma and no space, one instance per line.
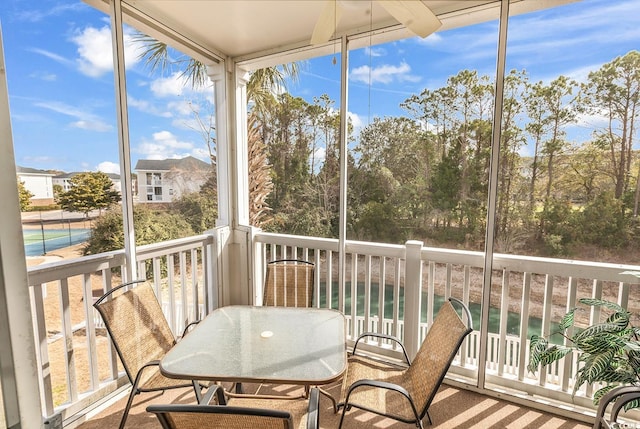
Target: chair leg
134,392
344,410
198,390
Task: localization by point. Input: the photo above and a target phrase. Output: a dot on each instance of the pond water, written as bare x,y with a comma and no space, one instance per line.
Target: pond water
534,325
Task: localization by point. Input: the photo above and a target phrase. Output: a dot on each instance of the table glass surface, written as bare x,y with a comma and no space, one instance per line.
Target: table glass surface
245,343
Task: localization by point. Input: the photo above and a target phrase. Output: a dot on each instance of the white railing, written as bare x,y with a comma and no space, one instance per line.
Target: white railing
528,294
400,285
78,366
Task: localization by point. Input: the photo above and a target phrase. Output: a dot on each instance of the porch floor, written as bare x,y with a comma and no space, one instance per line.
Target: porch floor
452,408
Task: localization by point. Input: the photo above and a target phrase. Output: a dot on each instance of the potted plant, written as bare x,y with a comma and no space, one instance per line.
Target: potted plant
608,352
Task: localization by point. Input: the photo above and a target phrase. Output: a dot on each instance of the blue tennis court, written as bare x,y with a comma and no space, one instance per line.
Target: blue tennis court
38,242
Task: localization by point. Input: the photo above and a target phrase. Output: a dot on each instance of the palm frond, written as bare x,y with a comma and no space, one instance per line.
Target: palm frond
155,53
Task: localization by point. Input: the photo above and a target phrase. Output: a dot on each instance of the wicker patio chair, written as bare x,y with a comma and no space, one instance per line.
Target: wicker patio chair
405,393
289,283
141,336
619,396
241,413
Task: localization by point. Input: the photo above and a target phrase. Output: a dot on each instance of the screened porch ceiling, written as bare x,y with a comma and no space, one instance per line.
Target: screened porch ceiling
262,33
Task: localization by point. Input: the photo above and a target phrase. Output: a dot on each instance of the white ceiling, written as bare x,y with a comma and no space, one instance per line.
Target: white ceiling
249,29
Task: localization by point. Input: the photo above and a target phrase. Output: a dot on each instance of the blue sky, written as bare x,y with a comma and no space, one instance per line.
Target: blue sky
59,71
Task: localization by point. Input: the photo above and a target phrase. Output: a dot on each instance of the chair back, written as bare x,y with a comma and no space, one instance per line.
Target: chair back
219,417
289,283
136,324
436,353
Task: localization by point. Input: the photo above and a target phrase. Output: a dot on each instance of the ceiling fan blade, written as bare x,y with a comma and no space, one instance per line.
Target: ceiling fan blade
327,22
414,15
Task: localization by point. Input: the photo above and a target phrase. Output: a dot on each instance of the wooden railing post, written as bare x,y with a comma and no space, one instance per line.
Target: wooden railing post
412,296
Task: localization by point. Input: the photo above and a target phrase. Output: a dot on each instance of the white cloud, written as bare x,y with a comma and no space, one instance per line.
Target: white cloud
95,56
177,84
318,158
85,119
356,121
48,77
92,125
183,107
173,85
148,107
383,74
163,145
55,57
431,40
37,15
375,51
108,167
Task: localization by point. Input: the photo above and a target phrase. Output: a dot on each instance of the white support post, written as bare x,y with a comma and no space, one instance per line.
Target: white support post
233,177
493,192
342,235
124,146
19,370
412,296
218,76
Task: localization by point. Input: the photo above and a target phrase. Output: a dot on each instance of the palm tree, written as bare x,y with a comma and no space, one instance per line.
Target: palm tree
261,89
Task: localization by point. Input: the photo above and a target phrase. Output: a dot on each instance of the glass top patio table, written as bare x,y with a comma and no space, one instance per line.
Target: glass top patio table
262,344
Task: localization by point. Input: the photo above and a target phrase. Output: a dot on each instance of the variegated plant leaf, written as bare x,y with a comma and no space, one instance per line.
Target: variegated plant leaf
601,392
598,329
537,346
567,320
596,366
554,353
601,343
601,303
620,318
632,404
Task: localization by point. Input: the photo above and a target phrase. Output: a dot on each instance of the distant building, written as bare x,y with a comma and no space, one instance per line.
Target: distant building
64,180
39,183
164,180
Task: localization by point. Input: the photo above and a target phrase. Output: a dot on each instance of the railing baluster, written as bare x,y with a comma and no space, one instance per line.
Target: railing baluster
67,335
354,294
367,292
382,291
524,324
504,312
546,319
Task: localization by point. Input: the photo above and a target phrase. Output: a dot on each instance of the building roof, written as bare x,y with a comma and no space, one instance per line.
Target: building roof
111,176
28,170
188,163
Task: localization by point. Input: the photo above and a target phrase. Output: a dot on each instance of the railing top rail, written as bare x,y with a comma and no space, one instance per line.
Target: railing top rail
53,271
298,240
172,246
376,249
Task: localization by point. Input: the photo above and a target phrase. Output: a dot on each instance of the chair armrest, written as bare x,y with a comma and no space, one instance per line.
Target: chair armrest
313,412
218,391
188,328
619,396
382,385
384,336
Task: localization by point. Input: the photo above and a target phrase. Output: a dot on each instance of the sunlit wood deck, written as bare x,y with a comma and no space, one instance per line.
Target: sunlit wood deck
452,408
